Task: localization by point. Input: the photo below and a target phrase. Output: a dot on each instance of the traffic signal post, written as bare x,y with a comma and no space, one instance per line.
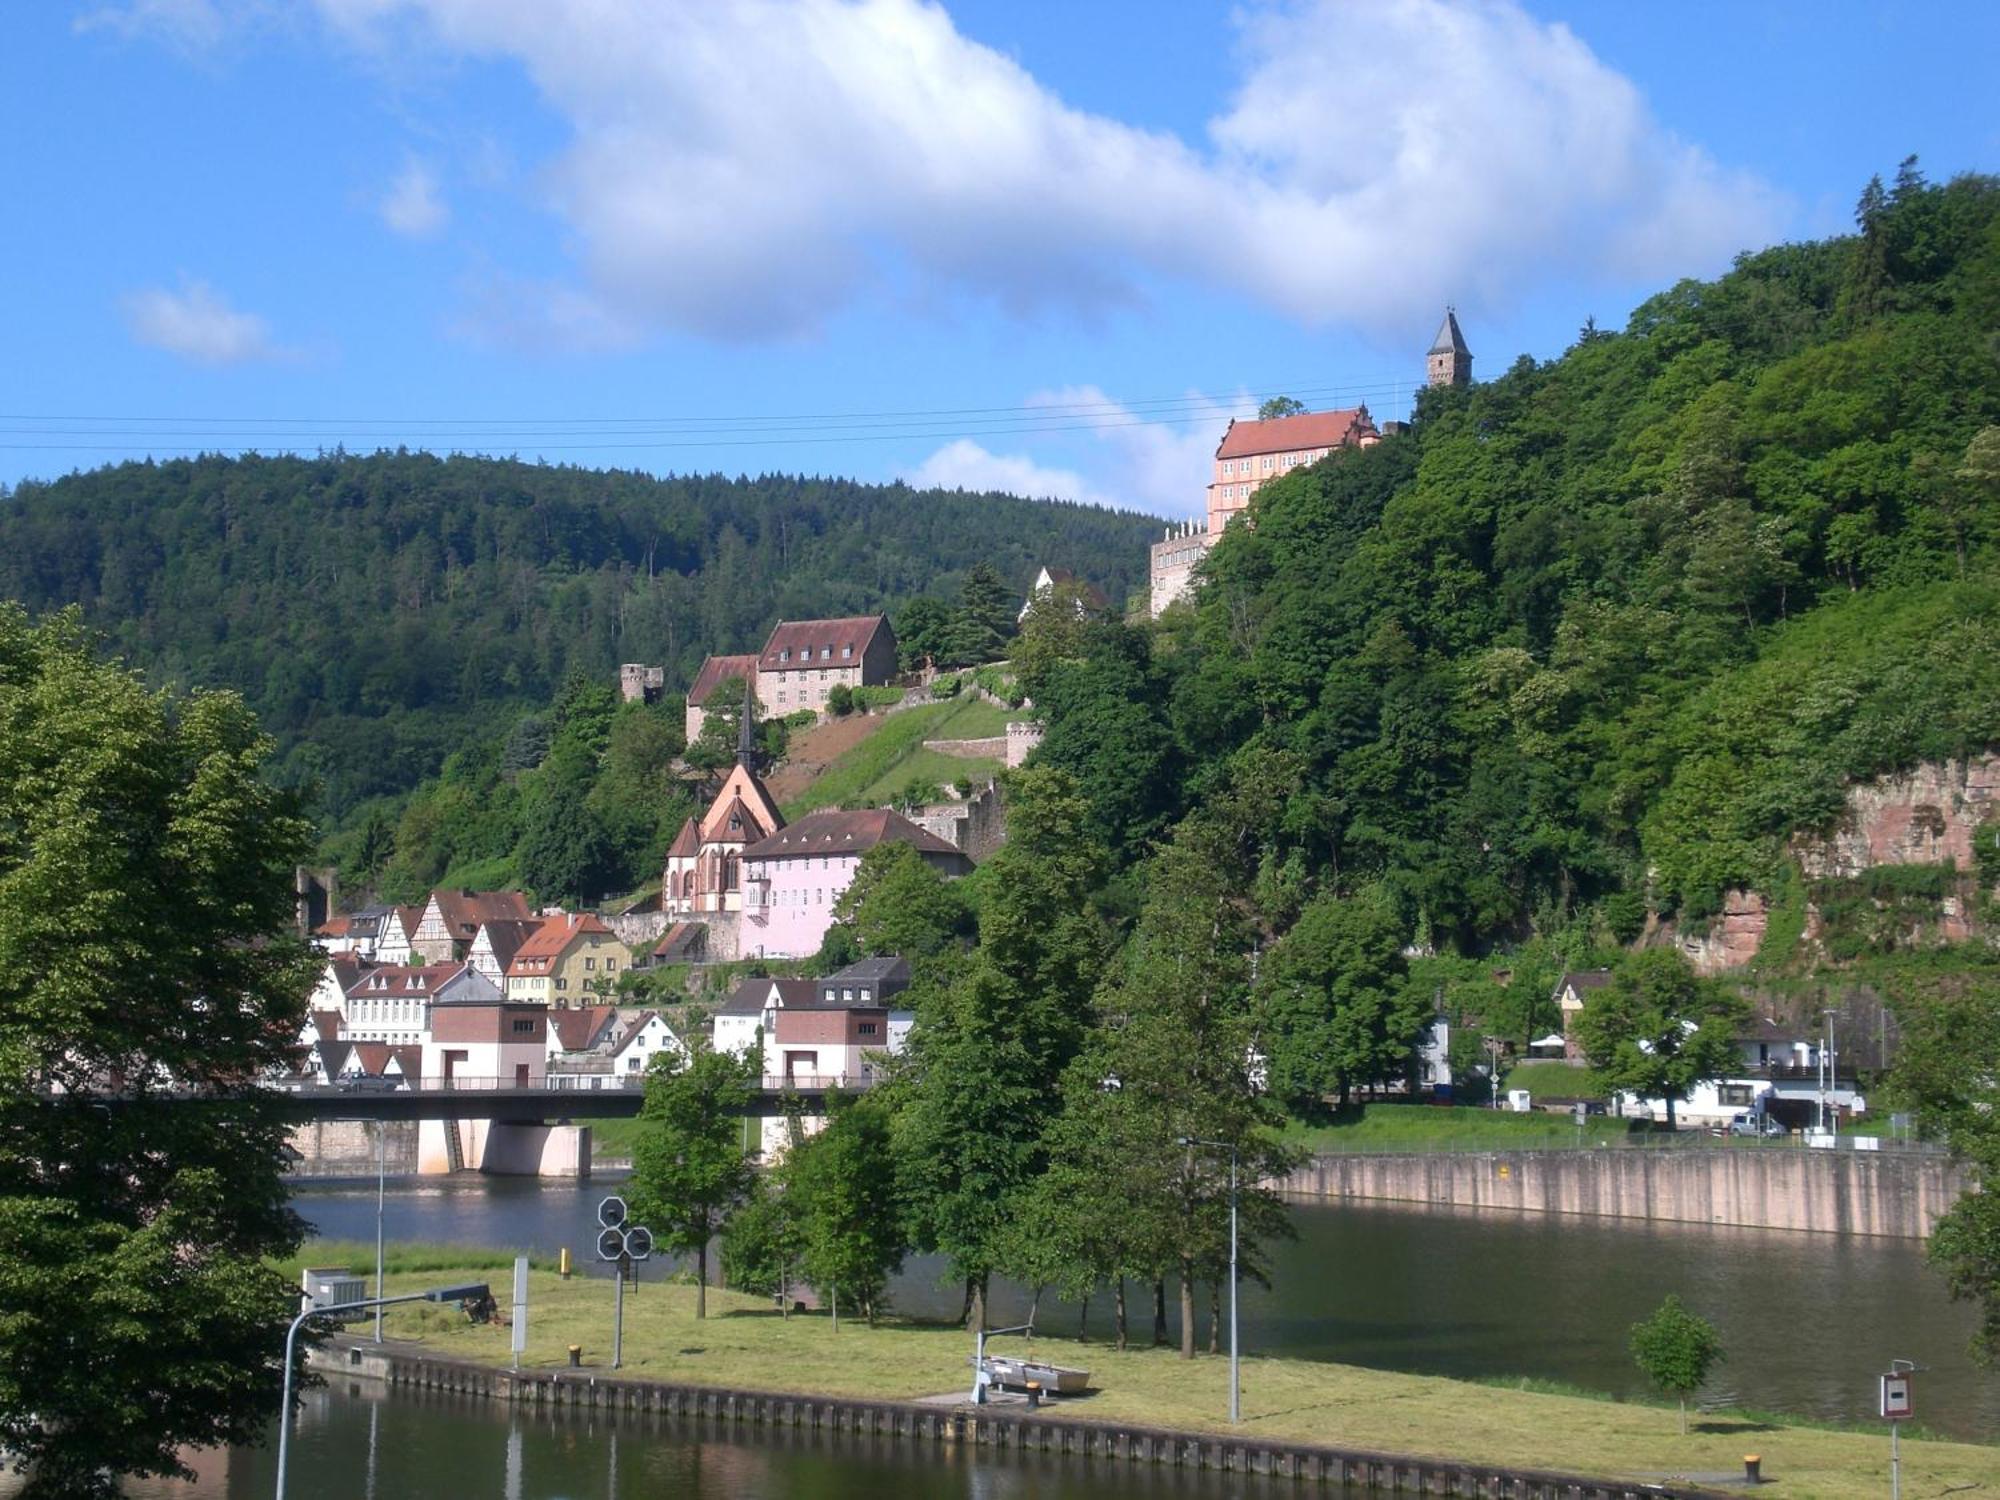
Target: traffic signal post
621,1243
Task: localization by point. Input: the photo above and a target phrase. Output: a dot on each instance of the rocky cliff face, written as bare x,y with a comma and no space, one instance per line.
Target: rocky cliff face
1732,939
1925,816
1921,817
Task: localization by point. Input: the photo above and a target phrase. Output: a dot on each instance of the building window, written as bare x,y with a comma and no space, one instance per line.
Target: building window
590,963
845,652
610,964
562,984
866,1028
524,1028
1735,1095
784,653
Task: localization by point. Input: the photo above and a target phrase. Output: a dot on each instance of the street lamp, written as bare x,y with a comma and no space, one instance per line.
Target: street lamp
1829,1118
471,1292
1235,1368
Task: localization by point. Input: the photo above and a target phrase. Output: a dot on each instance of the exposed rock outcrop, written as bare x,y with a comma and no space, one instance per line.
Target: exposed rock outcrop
1923,816
1732,939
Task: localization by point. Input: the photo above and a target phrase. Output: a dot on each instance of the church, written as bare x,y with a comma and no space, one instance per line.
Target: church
1253,453
704,875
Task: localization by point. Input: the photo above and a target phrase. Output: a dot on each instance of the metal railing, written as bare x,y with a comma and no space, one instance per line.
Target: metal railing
770,1083
1474,1144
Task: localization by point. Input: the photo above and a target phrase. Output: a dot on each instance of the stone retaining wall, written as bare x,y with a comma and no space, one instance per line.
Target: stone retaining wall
346,1148
1892,1193
1047,1431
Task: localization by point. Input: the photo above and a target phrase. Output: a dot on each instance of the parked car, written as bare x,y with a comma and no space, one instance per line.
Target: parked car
1756,1126
366,1083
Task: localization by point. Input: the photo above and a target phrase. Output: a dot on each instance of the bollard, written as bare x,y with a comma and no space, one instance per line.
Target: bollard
1034,1393
576,1356
1753,1469
562,1264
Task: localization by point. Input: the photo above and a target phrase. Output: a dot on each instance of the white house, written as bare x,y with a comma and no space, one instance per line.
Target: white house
748,1009
645,1036
391,1002
1782,1074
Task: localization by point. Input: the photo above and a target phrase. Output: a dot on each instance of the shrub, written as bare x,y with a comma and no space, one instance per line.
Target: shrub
946,685
840,700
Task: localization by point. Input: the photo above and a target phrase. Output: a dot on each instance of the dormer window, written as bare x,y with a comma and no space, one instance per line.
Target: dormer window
826,653
784,653
845,652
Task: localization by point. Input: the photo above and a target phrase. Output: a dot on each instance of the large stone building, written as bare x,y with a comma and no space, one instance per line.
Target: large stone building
805,659
715,671
794,877
1252,453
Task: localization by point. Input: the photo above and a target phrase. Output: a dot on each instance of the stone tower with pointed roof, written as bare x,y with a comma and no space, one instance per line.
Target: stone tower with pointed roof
1449,361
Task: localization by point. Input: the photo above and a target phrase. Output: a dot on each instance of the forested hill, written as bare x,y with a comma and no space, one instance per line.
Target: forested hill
1595,636
378,611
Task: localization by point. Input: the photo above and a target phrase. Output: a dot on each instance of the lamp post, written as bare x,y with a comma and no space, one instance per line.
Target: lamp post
1235,1366
1828,1112
381,1193
469,1292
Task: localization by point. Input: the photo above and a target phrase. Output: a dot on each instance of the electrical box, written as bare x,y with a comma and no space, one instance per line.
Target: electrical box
330,1286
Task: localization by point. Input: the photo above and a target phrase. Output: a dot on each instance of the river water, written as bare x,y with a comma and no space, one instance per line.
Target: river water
1809,1320
352,1442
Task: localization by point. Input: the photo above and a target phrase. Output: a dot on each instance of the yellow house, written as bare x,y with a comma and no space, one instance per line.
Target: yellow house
567,961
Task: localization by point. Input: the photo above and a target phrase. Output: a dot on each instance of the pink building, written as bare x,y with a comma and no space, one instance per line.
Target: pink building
1253,452
792,879
704,864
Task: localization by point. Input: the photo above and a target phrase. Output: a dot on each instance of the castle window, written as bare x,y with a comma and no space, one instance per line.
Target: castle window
826,653
845,652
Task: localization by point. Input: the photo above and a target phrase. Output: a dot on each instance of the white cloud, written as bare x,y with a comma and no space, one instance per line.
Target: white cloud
197,323
190,26
964,465
413,205
1162,459
743,168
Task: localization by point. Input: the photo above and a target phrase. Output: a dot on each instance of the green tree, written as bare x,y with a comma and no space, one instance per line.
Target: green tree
1657,1030
689,1173
900,905
1950,1038
843,1183
763,1239
923,632
1676,1350
145,893
1280,406
984,619
565,853
840,700
1337,1014
1179,1045
991,1043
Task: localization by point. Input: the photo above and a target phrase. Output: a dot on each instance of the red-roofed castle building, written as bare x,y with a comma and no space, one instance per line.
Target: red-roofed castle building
805,659
1252,453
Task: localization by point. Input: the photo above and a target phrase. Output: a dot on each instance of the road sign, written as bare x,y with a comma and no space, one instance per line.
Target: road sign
610,1244
638,1242
1896,1404
611,1212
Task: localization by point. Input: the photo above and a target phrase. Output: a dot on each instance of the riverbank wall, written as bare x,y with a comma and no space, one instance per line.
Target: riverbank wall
348,1148
1016,1429
1891,1193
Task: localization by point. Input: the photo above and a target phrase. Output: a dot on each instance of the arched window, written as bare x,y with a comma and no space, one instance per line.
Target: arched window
729,872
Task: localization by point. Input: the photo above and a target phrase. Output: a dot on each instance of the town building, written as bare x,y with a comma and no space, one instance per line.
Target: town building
806,659
582,1029
496,943
641,1039
394,942
1449,361
793,877
746,1014
451,920
566,960
392,1002
485,1043
715,671
1571,994
703,878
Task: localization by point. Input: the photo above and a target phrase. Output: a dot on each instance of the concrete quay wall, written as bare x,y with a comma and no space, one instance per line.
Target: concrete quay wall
1890,1193
1018,1429
347,1148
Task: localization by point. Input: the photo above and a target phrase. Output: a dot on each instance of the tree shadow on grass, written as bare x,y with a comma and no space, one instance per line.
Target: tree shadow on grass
1739,1425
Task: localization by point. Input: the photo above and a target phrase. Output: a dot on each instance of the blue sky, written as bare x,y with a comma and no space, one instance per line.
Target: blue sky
1042,247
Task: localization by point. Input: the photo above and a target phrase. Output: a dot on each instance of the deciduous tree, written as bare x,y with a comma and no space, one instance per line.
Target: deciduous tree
1677,1350
1657,1030
145,893
689,1173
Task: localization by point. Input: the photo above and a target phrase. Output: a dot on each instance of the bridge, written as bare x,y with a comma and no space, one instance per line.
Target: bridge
556,1099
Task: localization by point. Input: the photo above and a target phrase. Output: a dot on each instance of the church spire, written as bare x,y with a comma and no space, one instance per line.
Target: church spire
746,746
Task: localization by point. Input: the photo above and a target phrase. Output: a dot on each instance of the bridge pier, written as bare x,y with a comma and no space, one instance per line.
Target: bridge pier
503,1148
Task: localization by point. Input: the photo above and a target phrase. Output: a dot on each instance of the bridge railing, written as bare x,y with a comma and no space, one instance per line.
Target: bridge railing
770,1083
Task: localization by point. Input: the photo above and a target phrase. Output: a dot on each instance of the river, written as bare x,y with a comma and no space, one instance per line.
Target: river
353,1442
1809,1320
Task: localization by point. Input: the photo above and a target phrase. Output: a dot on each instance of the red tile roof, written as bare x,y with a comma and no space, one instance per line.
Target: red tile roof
687,843
465,911
798,643
846,833
505,937
717,670
578,1030
1315,429
550,940
403,981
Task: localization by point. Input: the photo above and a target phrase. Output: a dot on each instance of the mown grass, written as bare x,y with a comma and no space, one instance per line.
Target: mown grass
1553,1080
745,1344
401,1258
882,760
931,768
1427,1127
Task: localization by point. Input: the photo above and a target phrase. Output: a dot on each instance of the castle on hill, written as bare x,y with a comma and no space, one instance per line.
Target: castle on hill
1252,453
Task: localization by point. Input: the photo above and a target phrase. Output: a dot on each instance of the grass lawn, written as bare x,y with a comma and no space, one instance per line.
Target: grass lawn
932,767
745,1344
1553,1080
880,764
1432,1127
